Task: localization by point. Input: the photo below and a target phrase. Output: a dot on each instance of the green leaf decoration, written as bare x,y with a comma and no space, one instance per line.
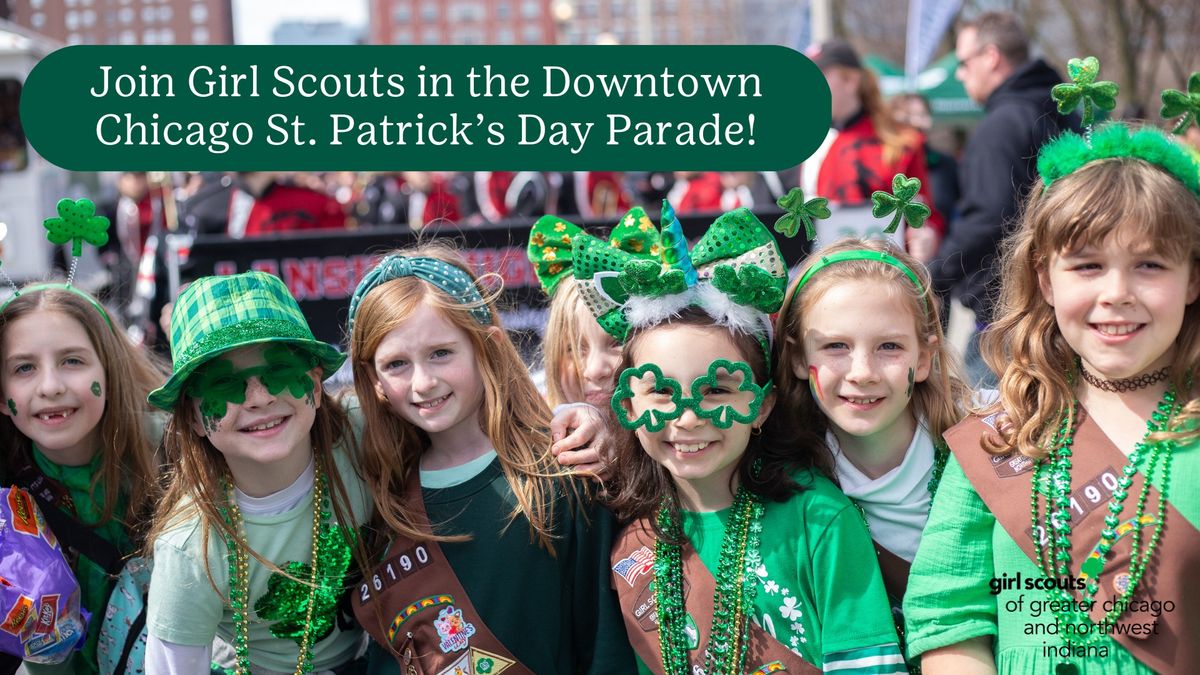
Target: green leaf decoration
77,222
901,203
723,415
1186,106
1084,87
286,599
800,211
749,285
288,370
651,419
648,278
215,385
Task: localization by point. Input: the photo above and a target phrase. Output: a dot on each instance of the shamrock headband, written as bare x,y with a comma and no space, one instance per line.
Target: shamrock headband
1069,152
862,254
898,204
550,244
735,272
449,278
77,223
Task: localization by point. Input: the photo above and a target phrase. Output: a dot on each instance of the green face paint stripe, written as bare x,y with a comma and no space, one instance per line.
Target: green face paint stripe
911,374
12,406
96,389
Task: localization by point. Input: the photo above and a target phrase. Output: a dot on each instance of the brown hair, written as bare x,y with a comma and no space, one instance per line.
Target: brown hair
940,398
200,472
128,468
513,415
561,344
641,483
1024,344
896,138
1003,30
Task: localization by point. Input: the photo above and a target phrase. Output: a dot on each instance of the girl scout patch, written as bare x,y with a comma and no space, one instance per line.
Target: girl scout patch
454,631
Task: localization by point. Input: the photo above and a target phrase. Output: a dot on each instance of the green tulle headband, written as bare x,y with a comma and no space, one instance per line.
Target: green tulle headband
863,254
1069,152
77,223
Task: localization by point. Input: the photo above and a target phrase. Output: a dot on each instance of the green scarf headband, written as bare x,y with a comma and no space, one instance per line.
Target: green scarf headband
1069,152
77,223
448,278
735,272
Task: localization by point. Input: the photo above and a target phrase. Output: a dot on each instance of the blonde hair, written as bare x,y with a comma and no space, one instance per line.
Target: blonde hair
940,398
128,468
561,344
513,415
1024,343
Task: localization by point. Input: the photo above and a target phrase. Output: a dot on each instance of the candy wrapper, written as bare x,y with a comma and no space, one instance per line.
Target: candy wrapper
40,617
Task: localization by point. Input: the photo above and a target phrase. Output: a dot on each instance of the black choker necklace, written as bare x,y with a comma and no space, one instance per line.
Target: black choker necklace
1127,384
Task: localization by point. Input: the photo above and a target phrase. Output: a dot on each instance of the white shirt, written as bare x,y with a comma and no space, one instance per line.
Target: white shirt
896,503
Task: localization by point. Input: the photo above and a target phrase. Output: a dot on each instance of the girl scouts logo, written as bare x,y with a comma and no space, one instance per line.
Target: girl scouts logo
454,631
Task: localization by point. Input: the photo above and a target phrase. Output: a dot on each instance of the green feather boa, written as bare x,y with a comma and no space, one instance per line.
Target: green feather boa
1071,151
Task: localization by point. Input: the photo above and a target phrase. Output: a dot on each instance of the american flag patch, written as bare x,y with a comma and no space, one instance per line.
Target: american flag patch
640,562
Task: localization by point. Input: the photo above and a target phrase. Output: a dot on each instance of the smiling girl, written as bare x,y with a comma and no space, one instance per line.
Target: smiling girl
493,553
74,433
256,534
740,555
1081,478
863,360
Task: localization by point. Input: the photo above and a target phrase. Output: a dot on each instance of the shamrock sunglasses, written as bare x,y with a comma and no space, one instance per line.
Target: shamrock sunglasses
216,384
727,393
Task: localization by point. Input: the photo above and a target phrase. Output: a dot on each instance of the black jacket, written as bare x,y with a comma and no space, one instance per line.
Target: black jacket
997,169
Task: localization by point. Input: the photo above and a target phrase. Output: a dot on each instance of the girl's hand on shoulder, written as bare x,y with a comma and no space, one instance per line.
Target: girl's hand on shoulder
581,439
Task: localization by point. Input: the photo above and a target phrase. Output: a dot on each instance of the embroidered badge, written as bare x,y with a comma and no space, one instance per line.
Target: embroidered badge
440,600
461,666
772,667
454,631
1121,583
641,562
1010,465
487,663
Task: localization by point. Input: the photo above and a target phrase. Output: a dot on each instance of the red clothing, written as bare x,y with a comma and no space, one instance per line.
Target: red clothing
601,194
286,208
699,194
854,168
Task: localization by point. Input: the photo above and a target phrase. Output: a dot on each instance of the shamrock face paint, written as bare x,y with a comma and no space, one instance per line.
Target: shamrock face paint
96,389
692,408
216,384
12,407
908,392
253,407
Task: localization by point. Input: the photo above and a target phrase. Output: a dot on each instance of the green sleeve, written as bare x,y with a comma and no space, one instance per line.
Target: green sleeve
948,600
856,619
183,606
599,629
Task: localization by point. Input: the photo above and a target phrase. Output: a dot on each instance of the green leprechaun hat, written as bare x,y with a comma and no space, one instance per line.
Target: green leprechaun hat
218,314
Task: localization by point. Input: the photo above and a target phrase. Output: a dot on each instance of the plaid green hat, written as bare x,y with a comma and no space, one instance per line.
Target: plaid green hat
217,314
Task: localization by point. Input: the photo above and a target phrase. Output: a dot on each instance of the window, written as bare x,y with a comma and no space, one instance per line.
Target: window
430,37
402,36
199,13
127,15
505,36
128,37
402,13
429,11
531,9
164,13
89,18
166,36
200,35
531,35
503,9
36,4
37,20
72,20
149,14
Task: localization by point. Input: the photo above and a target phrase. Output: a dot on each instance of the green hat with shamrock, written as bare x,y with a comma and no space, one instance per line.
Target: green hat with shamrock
217,314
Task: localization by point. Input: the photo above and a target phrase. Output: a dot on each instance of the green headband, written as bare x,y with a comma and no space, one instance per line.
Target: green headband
449,278
863,254
66,287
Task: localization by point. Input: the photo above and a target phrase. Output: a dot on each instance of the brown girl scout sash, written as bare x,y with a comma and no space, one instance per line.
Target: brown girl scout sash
415,607
895,571
633,572
1168,642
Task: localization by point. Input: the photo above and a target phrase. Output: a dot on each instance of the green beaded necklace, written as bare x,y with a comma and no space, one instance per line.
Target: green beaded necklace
1056,469
239,576
735,590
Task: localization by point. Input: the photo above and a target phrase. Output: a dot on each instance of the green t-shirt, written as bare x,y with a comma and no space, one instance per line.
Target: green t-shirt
185,609
555,614
820,592
964,547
